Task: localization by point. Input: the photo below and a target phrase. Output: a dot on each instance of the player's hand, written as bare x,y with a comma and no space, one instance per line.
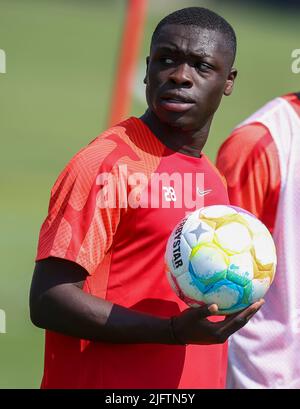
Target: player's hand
193,327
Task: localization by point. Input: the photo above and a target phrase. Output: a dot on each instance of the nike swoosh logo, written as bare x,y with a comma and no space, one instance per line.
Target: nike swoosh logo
203,192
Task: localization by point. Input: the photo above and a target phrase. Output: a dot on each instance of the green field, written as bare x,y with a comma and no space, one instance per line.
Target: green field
54,98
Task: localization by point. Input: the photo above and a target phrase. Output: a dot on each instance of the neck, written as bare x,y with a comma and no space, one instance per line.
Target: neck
188,142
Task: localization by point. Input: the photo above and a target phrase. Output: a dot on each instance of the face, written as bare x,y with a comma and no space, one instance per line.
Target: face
188,72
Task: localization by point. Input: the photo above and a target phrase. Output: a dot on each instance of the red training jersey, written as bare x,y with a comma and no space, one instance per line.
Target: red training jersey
111,211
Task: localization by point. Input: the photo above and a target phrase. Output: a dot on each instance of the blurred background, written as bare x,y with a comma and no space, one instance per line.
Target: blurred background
61,60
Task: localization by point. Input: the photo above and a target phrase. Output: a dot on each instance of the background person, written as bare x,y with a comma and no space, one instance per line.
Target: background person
261,162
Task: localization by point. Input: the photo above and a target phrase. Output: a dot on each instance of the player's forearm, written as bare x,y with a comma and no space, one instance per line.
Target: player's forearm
70,311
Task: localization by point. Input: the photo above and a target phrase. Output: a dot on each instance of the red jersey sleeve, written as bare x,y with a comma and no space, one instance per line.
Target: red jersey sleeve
249,161
78,227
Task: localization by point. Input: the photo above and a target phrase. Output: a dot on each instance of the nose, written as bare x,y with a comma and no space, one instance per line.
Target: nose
181,75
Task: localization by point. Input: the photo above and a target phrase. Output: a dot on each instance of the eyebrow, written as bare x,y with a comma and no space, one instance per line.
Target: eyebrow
173,48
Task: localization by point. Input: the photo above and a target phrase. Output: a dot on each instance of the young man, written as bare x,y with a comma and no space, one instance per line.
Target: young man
99,286
261,161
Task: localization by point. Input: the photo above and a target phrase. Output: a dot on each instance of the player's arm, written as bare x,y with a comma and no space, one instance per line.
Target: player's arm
58,303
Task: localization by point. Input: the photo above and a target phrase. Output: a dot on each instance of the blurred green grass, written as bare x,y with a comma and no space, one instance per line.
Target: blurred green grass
55,98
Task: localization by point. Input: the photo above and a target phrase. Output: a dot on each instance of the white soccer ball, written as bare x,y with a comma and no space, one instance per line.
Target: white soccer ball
221,254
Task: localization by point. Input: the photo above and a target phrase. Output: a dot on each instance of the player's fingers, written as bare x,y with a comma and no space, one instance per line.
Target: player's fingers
252,309
238,320
207,310
249,312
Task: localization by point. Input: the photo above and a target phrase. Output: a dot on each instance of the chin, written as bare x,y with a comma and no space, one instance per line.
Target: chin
182,123
173,119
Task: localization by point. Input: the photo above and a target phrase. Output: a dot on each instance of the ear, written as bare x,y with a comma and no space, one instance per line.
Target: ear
147,65
230,81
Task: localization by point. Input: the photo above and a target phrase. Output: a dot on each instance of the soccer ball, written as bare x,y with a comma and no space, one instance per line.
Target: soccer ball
220,254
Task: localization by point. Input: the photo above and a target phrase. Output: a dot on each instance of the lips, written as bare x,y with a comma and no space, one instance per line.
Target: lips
176,102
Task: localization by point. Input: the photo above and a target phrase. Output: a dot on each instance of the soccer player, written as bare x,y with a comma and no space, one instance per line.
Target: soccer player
99,286
261,162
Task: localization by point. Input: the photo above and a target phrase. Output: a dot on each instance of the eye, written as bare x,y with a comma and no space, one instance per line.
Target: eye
202,66
167,60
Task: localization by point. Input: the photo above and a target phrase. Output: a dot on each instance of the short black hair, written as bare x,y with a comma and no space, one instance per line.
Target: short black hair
199,17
